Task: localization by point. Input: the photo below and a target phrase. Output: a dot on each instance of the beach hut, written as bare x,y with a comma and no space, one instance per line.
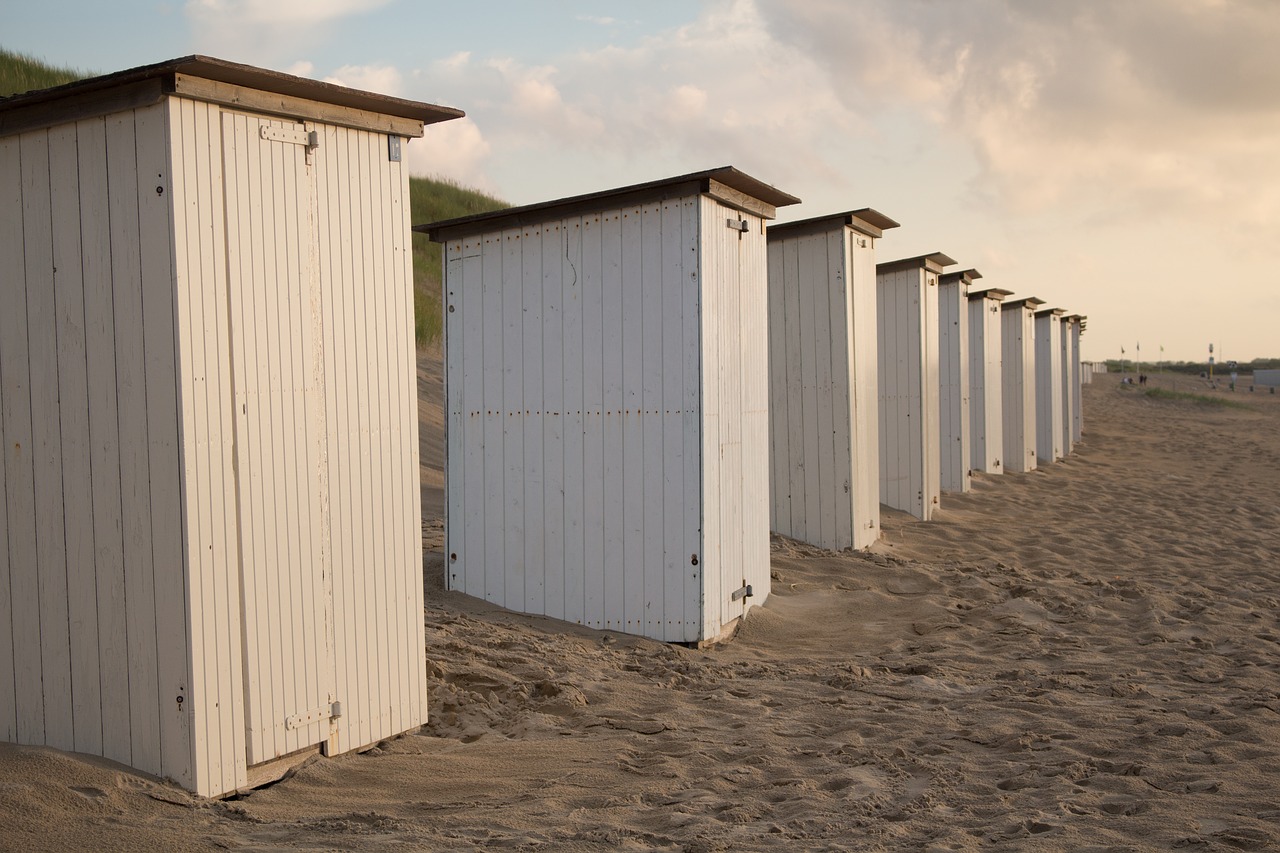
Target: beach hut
607,405
1018,389
907,342
210,545
1077,377
823,408
1048,381
1065,364
986,433
953,378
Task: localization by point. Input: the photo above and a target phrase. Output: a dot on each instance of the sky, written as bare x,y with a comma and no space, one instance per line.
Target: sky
1119,160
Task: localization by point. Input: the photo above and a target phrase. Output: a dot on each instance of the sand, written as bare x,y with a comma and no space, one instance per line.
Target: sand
1083,657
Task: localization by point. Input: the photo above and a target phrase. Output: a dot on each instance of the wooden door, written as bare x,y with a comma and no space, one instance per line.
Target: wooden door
277,375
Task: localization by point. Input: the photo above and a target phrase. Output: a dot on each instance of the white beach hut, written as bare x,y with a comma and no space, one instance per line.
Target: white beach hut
907,309
1049,396
607,405
823,408
210,551
1077,377
986,433
953,378
1018,391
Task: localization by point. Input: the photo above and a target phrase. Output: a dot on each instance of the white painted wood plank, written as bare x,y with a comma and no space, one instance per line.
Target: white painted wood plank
73,418
513,415
810,391
50,553
651,418
614,418
573,420
693,556
594,419
864,323
19,677
633,579
711,558
455,419
825,381
553,448
779,509
842,425
472,560
796,483
753,378
675,254
156,227
498,568
532,576
104,460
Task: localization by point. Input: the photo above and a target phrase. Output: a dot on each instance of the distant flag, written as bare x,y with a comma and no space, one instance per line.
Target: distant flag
1122,350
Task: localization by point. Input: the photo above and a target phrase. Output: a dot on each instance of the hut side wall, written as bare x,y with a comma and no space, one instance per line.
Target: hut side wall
825,487
1048,381
1018,394
985,386
574,404
953,383
907,308
735,408
90,546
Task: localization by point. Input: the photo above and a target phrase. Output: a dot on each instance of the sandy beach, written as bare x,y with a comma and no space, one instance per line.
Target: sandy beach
1086,657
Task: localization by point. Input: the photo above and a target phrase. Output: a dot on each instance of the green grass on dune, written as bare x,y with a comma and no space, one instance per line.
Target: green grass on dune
431,199
1198,399
20,73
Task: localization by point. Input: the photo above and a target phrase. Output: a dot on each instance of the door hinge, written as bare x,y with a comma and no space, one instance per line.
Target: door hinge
739,594
315,715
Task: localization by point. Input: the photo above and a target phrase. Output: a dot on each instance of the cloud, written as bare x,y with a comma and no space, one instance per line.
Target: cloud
1140,107
383,79
453,149
263,31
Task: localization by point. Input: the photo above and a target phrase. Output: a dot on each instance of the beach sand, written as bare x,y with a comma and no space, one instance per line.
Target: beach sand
1086,657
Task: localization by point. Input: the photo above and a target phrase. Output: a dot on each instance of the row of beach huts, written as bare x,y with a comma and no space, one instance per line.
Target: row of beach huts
210,543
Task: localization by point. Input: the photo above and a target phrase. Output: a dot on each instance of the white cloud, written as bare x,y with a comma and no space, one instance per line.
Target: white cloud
265,31
453,149
383,79
279,12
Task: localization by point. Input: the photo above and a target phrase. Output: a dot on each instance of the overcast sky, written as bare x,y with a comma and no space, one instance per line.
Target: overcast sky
1117,159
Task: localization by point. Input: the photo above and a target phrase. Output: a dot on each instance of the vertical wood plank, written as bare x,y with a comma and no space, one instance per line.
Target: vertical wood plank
650,417
674,281
533,578
513,416
633,580
103,429
573,420
612,234
50,553
22,714
842,424
693,557
551,599
73,417
594,420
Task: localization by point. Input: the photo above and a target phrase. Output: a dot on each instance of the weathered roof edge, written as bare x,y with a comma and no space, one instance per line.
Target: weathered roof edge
1023,302
866,220
965,275
934,262
236,74
1044,312
708,181
990,293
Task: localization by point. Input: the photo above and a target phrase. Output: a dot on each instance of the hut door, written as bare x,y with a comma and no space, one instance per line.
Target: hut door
277,381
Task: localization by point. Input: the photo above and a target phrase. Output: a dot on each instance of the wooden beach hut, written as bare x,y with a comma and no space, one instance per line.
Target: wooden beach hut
986,433
1048,381
907,310
607,405
1018,391
823,407
953,378
1076,377
210,554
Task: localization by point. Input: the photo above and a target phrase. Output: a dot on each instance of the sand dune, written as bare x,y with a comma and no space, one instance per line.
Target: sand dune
1083,657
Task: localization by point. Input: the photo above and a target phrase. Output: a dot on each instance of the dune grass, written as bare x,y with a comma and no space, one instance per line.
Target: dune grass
21,73
431,200
1198,399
